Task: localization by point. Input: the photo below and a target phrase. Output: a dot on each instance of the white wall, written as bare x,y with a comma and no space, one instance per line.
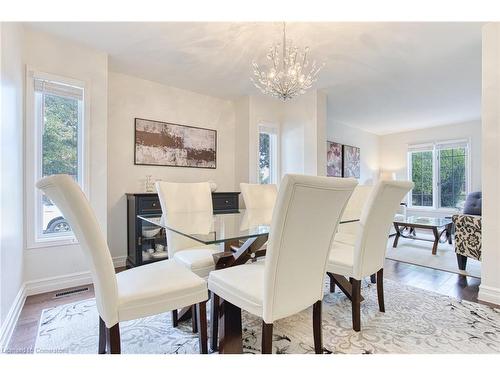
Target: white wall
367,142
489,290
394,147
53,55
11,162
303,134
131,97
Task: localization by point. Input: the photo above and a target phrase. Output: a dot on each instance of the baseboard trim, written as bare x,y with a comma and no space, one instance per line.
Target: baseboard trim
11,319
50,284
489,294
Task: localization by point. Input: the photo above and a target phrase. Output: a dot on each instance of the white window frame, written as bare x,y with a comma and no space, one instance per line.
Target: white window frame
274,131
33,144
436,183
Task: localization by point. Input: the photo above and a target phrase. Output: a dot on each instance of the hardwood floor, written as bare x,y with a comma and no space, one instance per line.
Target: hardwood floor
451,284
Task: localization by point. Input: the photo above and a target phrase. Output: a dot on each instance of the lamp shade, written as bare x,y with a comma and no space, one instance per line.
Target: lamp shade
386,175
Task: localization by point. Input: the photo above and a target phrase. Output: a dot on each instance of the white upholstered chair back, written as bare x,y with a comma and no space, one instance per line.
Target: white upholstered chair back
65,193
183,198
259,196
354,208
304,222
376,220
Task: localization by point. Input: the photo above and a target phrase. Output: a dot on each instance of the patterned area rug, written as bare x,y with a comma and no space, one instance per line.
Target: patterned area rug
416,321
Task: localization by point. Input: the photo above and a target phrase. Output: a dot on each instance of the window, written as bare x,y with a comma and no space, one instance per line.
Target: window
421,175
57,118
268,155
441,174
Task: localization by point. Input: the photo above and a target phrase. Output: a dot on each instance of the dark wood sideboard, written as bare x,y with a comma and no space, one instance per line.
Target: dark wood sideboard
148,203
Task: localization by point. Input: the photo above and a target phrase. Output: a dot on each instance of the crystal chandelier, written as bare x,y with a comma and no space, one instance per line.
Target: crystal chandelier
289,73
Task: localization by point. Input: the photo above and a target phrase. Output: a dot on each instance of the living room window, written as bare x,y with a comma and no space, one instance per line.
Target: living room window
440,172
55,123
268,155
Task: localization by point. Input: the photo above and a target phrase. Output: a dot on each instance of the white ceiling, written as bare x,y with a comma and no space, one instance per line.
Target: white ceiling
380,77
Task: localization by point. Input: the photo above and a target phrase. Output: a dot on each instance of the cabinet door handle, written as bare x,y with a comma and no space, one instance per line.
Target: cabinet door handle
154,204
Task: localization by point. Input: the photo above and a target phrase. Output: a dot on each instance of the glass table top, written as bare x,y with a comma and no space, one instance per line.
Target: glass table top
209,228
423,221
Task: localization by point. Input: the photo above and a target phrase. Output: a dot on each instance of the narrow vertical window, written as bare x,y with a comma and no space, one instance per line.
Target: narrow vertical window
58,122
268,155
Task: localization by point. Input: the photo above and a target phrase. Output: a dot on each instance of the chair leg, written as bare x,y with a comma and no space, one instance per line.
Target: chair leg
380,290
267,338
175,320
373,279
317,330
332,284
356,304
194,319
462,262
214,321
113,334
201,316
102,336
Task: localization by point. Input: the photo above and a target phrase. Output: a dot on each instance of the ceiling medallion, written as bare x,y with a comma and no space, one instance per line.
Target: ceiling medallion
288,73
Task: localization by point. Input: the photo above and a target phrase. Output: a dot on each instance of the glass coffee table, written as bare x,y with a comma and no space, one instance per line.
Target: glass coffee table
440,227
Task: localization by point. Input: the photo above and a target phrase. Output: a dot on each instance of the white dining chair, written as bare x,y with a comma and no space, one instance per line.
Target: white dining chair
131,294
291,278
366,255
258,196
186,198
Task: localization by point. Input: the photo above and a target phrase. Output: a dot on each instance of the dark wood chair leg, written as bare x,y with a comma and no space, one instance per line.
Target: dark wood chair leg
373,279
380,290
462,262
356,304
114,339
194,319
317,330
332,284
267,338
102,336
214,322
201,316
175,319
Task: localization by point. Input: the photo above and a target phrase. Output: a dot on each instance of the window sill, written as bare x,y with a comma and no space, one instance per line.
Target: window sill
41,244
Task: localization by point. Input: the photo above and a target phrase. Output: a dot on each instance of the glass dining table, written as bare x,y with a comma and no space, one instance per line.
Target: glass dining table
231,229
243,235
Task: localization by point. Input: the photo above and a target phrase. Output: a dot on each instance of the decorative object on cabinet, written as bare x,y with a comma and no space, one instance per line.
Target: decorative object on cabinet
351,161
150,184
333,159
173,145
139,244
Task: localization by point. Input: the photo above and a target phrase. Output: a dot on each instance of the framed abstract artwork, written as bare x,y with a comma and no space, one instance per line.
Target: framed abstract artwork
174,145
333,159
351,161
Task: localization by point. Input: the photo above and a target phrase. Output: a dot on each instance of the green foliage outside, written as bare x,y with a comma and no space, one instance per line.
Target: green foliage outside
264,158
451,176
60,136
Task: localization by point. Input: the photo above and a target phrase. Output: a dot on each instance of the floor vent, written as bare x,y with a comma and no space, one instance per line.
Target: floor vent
70,292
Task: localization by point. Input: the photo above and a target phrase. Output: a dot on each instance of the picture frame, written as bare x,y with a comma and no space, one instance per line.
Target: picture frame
351,165
334,159
168,144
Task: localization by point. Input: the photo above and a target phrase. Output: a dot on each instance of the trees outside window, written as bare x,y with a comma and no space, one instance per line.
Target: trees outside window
56,118
441,175
268,155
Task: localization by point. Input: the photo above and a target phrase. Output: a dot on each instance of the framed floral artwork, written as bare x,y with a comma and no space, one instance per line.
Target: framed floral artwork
333,159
